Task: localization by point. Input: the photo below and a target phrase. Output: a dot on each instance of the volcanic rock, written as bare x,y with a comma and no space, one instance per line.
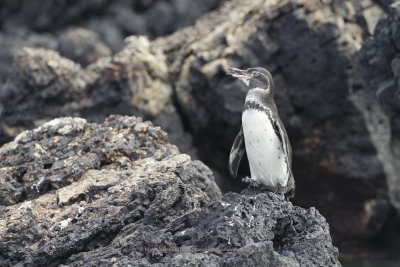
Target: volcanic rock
75,193
179,83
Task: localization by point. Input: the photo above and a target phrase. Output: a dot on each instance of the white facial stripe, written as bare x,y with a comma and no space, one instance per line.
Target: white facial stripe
257,89
246,81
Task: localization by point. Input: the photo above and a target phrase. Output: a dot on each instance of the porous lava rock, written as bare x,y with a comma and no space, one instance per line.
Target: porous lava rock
75,193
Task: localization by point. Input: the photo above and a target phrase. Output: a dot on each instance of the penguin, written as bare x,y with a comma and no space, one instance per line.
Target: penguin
262,135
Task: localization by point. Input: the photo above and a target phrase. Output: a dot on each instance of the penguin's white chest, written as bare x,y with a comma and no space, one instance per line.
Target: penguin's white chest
264,150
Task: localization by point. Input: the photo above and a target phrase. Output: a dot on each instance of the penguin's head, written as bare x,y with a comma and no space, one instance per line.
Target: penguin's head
255,78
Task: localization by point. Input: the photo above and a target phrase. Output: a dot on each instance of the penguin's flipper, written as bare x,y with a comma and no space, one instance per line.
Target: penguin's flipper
281,132
237,151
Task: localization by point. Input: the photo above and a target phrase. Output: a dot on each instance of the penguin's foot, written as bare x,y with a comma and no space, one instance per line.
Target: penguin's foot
250,181
282,190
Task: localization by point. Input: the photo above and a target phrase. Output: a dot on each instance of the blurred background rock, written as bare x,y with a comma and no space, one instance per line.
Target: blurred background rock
335,65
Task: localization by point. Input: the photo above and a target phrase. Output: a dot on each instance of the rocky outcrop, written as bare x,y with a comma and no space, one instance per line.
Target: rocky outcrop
339,136
380,68
78,193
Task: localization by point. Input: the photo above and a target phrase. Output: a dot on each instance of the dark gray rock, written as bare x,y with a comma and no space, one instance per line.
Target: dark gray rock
380,68
153,18
75,193
109,31
48,15
266,229
24,23
386,3
311,49
82,46
248,229
164,17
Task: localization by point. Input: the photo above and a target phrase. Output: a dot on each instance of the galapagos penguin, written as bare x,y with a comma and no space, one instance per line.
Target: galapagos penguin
262,135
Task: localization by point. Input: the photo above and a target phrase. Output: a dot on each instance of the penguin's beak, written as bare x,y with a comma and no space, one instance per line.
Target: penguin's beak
237,73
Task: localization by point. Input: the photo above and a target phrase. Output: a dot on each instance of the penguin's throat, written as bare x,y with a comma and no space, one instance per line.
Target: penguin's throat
257,95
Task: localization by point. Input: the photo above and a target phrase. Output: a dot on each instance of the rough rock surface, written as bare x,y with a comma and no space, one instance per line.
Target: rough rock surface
78,193
380,68
311,49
